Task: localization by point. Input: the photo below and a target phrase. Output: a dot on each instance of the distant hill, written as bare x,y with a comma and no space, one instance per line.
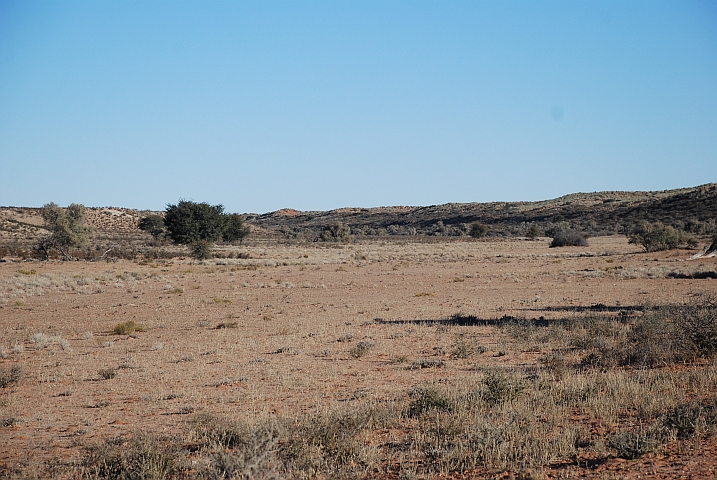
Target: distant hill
694,209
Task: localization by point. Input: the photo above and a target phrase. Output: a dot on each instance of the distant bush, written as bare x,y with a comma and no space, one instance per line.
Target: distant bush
337,232
532,232
655,237
478,230
568,238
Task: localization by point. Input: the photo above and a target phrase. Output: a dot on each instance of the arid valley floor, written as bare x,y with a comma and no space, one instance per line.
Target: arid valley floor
310,332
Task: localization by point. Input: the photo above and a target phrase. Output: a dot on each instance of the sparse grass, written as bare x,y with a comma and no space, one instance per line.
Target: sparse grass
127,328
221,300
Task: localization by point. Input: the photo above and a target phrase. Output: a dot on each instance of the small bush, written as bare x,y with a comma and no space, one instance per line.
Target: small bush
533,232
478,230
108,373
338,232
568,238
499,388
688,420
655,237
426,399
11,377
632,444
127,328
361,349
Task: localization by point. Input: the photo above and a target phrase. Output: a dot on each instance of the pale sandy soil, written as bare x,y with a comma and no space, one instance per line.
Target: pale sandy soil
298,312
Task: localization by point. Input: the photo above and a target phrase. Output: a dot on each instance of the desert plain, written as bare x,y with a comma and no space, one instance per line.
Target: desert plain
314,332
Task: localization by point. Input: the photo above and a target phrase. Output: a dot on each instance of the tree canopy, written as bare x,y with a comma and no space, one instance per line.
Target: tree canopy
67,227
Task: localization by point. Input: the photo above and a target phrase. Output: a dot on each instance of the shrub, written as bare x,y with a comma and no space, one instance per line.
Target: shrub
152,224
338,232
361,349
655,237
478,230
499,388
143,457
426,399
688,419
533,232
568,238
696,326
108,373
68,230
11,376
632,444
127,328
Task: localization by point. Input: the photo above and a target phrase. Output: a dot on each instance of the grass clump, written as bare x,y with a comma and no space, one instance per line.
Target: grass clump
127,328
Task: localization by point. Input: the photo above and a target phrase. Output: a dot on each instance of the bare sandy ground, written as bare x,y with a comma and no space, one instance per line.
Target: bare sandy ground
293,314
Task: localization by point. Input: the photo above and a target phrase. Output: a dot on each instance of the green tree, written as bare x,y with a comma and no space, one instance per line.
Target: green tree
200,225
190,222
234,228
654,237
152,224
67,227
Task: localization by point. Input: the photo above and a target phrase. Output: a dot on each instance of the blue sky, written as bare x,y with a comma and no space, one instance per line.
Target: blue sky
318,105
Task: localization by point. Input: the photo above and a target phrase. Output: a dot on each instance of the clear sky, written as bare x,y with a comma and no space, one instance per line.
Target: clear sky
312,105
